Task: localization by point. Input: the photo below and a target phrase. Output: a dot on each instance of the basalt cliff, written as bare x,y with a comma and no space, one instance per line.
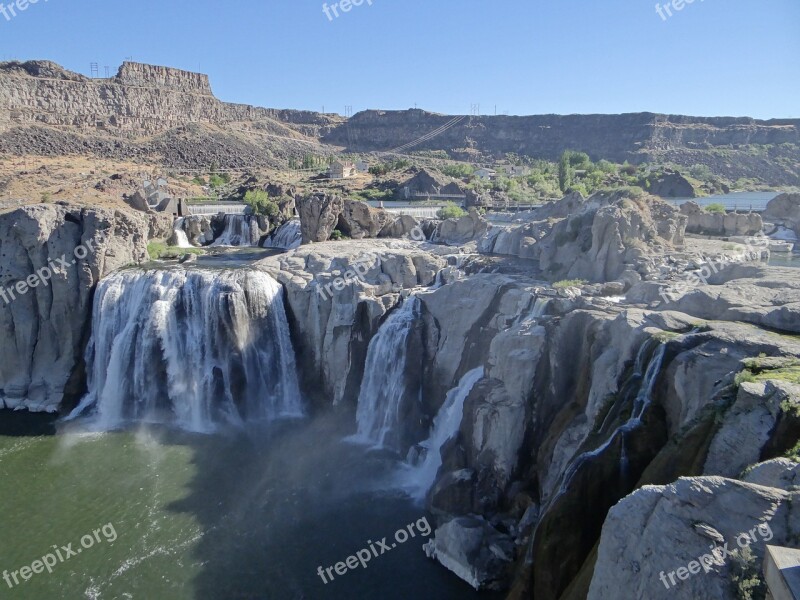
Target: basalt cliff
158,113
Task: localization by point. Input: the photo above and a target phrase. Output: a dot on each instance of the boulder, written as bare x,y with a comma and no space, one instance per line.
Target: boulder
319,215
455,232
472,549
358,220
784,210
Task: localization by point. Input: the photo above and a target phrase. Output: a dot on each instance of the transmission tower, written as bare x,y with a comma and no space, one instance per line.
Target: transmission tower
95,72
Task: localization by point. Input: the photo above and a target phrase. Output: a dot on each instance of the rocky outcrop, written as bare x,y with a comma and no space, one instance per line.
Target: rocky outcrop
337,294
719,224
322,214
319,215
669,184
601,239
784,210
428,183
459,231
45,318
691,538
358,220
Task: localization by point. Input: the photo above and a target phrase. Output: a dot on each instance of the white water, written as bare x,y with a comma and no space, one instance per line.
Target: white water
286,237
643,399
384,390
192,348
180,233
422,476
239,231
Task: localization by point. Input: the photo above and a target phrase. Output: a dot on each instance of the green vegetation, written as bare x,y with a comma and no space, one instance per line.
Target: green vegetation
160,250
568,283
393,165
716,208
746,575
46,197
260,204
338,236
765,369
217,181
458,171
373,194
451,212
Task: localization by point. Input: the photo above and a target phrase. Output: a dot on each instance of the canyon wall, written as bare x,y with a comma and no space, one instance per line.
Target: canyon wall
613,137
139,100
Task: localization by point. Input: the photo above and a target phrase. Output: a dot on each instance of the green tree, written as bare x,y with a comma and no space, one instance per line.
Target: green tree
260,203
451,212
565,171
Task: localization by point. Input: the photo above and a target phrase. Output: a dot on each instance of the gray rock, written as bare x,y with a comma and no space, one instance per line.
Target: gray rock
48,323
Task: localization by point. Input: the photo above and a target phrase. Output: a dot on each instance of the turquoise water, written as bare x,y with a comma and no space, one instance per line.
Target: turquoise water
241,514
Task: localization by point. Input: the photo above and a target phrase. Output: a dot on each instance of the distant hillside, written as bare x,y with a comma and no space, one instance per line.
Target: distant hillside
171,117
731,147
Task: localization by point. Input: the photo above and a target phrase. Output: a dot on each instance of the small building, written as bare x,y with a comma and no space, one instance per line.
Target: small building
362,166
485,173
342,170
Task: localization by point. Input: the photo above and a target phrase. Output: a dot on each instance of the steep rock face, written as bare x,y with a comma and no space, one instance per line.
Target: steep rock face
337,295
547,136
45,328
141,99
319,215
727,224
670,541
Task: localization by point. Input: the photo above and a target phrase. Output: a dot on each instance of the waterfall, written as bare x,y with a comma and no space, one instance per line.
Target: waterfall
192,348
180,233
647,371
239,231
539,307
422,476
285,237
384,392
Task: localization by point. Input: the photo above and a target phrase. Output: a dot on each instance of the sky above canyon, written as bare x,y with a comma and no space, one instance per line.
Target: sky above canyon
712,58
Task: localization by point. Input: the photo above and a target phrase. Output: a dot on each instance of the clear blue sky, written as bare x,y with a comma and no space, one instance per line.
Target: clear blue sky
715,57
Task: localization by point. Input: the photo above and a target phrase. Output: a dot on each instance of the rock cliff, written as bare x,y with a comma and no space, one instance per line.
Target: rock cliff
51,258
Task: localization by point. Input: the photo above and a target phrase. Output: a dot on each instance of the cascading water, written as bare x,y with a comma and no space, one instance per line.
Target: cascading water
239,231
285,237
190,347
384,389
420,477
645,370
180,233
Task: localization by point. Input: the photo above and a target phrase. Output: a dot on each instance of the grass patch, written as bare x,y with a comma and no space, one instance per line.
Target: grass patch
568,283
765,369
161,251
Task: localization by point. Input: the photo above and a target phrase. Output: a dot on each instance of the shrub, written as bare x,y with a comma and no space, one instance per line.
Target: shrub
260,204
451,212
338,236
716,208
458,171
